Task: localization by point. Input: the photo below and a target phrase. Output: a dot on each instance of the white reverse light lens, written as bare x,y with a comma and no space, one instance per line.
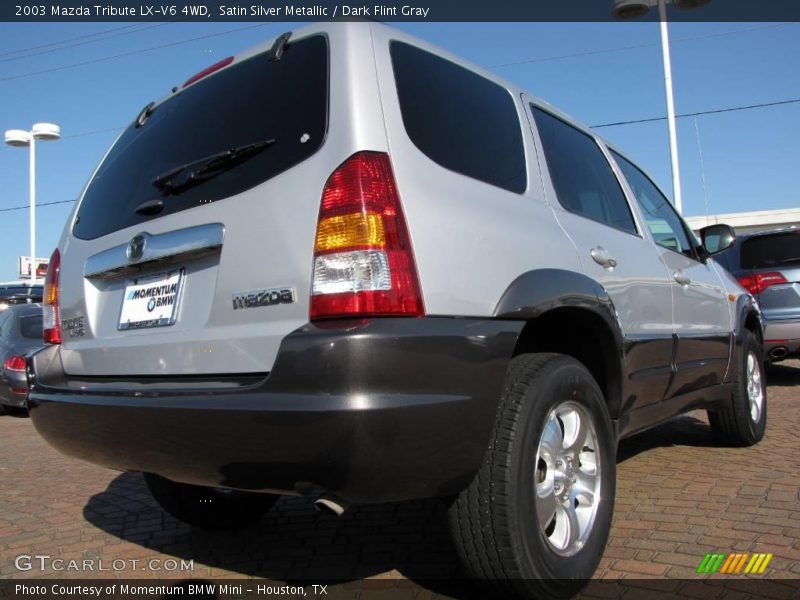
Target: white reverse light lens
355,271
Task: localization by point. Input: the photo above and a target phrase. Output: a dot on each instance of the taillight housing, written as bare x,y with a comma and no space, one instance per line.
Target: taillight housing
51,312
14,363
363,260
755,284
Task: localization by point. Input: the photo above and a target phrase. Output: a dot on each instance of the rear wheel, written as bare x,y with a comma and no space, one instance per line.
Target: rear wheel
536,518
207,507
744,421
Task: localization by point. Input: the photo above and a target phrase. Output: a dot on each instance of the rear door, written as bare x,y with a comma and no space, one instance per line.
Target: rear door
191,250
701,316
592,207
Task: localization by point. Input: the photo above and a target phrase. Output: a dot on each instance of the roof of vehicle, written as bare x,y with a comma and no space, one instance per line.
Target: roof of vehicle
773,231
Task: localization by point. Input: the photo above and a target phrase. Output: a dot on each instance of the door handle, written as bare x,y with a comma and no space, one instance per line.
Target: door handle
602,257
681,277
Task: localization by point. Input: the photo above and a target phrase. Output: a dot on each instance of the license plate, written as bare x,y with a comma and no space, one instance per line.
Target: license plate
151,301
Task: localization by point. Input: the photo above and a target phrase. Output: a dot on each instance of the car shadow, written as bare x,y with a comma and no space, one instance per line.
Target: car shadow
293,542
684,430
784,374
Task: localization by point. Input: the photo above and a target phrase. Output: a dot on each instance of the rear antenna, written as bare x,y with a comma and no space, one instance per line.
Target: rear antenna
279,46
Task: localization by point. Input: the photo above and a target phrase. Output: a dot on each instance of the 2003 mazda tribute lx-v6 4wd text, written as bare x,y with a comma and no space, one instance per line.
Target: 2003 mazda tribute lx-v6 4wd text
349,265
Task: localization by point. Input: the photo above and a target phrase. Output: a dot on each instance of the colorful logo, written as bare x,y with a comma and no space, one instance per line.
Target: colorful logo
734,564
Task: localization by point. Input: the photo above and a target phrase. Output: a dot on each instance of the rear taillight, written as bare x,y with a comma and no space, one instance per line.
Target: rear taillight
14,363
363,261
755,284
51,314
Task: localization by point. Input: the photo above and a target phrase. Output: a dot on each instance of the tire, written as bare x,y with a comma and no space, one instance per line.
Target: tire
744,421
500,523
206,507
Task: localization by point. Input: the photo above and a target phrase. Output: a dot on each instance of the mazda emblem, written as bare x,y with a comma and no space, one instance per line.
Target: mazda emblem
136,248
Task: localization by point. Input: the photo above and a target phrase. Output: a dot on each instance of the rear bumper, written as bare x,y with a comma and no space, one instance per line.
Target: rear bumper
373,411
781,338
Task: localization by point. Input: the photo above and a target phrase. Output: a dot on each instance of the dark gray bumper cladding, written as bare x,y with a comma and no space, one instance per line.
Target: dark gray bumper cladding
373,411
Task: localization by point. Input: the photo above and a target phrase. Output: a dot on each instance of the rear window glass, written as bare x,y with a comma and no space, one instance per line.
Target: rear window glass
253,101
458,119
31,327
771,250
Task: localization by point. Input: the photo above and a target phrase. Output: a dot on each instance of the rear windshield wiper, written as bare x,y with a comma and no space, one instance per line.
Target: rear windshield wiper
194,172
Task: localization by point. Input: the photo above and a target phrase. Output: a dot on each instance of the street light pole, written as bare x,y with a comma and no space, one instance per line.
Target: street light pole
32,207
632,9
673,131
21,138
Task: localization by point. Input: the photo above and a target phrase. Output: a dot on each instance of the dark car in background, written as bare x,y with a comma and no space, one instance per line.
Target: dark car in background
767,264
15,293
20,334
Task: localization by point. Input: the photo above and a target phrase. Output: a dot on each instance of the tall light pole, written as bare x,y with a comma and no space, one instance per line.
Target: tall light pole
631,9
21,138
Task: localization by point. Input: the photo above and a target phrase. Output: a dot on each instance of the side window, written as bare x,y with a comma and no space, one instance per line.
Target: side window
581,175
662,220
458,119
3,320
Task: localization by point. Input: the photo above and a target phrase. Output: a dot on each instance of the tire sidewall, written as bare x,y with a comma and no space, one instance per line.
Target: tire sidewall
741,399
567,380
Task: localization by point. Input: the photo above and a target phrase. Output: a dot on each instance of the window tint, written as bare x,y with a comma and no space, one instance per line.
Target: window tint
31,327
459,119
581,175
771,250
252,101
662,220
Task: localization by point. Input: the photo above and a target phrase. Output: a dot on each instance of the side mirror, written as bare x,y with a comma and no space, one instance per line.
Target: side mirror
717,238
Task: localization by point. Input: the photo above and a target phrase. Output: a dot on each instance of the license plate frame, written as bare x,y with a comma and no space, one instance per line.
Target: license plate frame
152,300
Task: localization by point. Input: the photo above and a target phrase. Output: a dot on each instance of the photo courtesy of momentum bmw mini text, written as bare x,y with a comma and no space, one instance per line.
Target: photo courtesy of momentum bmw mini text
400,300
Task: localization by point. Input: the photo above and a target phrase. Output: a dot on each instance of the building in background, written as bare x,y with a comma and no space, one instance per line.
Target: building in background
745,222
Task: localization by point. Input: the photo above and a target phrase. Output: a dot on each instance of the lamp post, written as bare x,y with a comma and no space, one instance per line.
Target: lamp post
631,9
21,138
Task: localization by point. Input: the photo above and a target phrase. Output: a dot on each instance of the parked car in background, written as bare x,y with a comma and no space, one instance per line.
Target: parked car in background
19,292
20,334
767,264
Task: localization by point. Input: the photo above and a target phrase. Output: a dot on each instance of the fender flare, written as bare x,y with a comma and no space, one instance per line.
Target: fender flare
539,291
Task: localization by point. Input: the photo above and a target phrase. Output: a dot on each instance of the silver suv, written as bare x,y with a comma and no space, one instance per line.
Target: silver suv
348,265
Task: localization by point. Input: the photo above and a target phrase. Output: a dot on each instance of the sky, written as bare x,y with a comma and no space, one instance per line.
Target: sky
92,79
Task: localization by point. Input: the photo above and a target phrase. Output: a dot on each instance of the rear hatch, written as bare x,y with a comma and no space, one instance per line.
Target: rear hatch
191,250
771,265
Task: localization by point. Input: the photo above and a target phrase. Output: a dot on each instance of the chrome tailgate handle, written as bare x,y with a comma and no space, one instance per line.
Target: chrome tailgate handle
145,249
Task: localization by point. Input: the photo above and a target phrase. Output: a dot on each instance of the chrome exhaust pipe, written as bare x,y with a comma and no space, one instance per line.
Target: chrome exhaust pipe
330,504
778,352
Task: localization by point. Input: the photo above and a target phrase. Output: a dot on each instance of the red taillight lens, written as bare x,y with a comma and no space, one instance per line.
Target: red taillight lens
363,261
15,363
51,314
755,284
208,71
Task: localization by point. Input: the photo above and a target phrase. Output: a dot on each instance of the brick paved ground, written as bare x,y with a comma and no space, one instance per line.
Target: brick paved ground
678,497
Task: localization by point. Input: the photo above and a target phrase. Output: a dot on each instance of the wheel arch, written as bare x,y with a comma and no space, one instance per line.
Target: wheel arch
569,313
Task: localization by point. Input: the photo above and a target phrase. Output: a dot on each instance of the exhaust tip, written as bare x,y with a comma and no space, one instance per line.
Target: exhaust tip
330,504
778,352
